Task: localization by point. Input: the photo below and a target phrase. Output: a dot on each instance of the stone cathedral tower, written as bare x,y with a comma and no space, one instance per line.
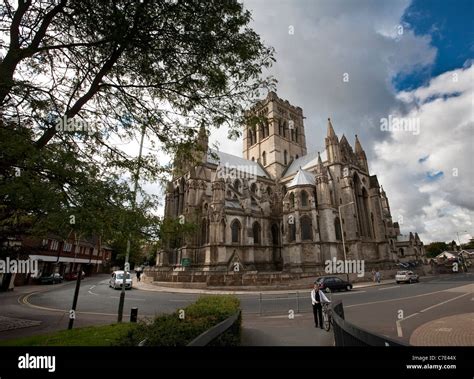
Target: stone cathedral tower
278,139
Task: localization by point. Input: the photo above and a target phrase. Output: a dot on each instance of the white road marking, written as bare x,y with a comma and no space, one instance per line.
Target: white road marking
399,329
382,289
182,301
444,302
399,324
93,293
91,287
397,299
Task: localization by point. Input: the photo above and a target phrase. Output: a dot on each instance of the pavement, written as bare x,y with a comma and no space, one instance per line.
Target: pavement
455,330
10,323
284,330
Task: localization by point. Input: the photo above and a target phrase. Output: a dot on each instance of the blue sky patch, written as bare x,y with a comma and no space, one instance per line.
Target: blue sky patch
451,28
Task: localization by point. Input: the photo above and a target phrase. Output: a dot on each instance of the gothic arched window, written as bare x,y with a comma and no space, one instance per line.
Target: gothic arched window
204,231
235,228
362,206
264,158
222,231
337,228
257,231
304,199
285,157
292,232
306,228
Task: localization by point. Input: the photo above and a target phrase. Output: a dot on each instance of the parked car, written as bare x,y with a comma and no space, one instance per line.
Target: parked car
73,275
403,265
333,283
406,277
116,280
50,278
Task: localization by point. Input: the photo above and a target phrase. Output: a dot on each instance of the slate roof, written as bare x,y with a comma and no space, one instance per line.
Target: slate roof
305,162
233,162
302,178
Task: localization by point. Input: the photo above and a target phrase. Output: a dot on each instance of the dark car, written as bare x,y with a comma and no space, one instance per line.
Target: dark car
50,278
333,283
73,275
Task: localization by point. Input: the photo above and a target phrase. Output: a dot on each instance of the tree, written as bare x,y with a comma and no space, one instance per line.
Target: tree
113,68
55,191
149,61
435,248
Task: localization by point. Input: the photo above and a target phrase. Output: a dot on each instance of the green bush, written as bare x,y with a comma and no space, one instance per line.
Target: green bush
170,330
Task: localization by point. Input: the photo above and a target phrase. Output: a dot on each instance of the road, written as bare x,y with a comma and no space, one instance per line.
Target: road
397,311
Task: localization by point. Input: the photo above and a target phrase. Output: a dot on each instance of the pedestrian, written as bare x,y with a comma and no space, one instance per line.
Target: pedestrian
139,272
317,298
373,275
377,276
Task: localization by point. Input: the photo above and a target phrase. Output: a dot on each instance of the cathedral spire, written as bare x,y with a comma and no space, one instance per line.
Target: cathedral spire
332,144
321,168
360,153
320,161
358,146
331,133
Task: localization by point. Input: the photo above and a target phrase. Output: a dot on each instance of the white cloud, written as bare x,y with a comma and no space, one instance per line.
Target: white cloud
442,206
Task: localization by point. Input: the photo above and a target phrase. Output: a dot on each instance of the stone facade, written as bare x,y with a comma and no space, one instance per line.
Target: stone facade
280,209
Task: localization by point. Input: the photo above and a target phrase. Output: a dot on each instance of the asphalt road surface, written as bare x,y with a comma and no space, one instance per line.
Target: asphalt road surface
392,310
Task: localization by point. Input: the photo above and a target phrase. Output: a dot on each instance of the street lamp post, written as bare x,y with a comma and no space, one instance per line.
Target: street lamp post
126,266
342,235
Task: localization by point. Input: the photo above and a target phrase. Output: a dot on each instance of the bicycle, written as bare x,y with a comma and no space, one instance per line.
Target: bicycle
327,316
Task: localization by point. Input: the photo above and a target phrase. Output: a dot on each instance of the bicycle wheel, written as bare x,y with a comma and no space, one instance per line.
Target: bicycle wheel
326,321
328,325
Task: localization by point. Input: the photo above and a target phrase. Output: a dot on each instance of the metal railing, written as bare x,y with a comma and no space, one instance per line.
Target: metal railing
262,304
347,334
211,334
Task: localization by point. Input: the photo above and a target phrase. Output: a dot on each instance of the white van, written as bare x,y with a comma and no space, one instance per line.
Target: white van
116,281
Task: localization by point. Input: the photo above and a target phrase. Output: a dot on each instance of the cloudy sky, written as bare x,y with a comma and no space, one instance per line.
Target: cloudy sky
403,59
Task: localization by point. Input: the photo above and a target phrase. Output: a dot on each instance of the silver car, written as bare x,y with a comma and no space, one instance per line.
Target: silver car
116,280
406,277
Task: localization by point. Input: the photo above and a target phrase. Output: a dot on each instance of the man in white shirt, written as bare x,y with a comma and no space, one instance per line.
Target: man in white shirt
317,298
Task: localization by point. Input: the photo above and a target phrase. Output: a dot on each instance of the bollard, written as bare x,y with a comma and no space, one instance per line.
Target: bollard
133,314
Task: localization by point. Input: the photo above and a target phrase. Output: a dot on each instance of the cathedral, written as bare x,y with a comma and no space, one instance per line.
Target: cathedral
279,208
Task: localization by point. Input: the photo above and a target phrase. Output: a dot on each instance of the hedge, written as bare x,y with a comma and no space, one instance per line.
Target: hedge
171,330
